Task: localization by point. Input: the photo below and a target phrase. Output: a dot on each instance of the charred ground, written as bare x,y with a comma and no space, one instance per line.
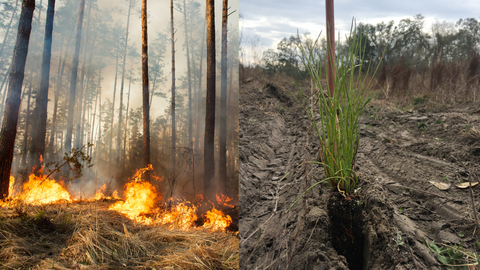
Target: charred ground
400,152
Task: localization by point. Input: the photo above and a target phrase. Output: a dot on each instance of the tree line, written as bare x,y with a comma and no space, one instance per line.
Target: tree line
444,57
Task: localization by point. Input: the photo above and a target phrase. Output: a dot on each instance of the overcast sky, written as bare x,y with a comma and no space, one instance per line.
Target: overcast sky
272,20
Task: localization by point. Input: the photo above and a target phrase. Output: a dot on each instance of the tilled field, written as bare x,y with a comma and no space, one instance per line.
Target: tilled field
402,154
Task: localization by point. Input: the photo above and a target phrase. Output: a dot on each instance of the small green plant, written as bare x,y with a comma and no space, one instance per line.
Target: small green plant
422,126
252,120
467,128
340,111
418,100
398,239
400,210
280,108
439,121
446,178
40,215
455,256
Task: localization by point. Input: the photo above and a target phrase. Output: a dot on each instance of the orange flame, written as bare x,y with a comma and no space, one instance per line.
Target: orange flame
115,195
38,191
181,216
140,197
10,187
224,200
215,220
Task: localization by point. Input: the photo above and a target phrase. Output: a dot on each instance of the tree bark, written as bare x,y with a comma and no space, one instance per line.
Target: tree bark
146,109
173,153
39,133
73,81
119,133
27,127
199,91
9,126
209,173
190,139
223,105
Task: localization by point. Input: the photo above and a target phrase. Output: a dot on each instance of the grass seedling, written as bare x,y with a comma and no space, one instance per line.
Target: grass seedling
398,239
338,127
455,257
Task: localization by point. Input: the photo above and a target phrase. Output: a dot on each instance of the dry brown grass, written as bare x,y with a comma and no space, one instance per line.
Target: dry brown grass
88,236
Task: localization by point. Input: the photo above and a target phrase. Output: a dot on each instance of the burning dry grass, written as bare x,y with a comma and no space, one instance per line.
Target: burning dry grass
86,235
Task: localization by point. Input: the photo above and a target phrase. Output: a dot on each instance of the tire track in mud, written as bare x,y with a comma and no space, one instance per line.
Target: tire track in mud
416,207
397,158
271,144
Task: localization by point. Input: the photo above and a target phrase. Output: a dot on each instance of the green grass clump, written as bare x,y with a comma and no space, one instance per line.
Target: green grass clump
338,127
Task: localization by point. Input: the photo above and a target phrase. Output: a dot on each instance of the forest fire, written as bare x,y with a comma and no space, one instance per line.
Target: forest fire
99,194
39,191
141,198
141,203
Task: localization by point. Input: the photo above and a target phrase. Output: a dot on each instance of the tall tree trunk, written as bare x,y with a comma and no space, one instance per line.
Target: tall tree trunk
209,174
9,126
119,133
27,128
34,125
223,105
113,107
232,119
199,91
8,29
81,88
146,109
99,145
94,116
190,140
124,156
173,90
39,133
73,80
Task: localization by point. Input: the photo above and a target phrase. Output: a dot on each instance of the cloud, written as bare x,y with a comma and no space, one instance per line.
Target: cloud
273,20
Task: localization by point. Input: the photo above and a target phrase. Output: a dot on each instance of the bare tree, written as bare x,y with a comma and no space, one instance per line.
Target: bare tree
73,80
39,133
209,173
146,107
173,89
17,73
223,105
190,139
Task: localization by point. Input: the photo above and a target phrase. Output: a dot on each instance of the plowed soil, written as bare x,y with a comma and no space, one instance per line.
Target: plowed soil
400,153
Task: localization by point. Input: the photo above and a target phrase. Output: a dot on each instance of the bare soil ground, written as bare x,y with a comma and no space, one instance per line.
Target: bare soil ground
400,153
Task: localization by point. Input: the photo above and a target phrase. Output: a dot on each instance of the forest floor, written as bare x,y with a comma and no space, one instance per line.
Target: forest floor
86,235
403,154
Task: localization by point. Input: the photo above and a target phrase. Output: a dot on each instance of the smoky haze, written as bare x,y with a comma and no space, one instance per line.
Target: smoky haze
100,68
